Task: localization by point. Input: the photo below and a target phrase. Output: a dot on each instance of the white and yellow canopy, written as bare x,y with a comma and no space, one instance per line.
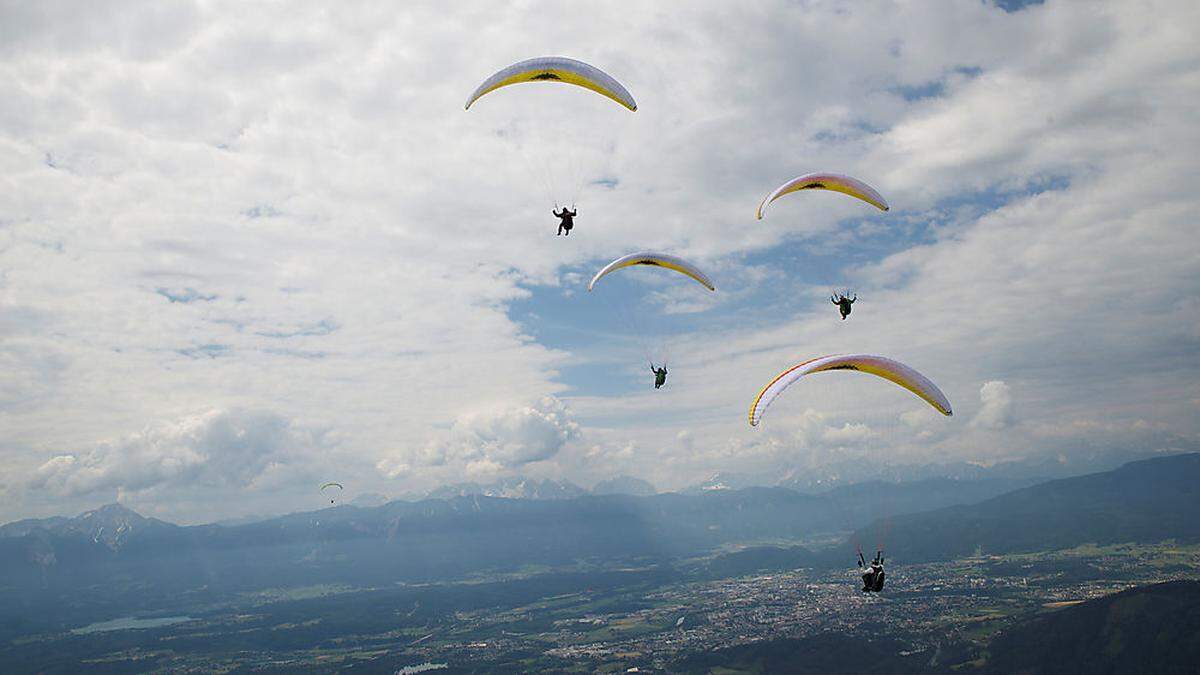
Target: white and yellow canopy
657,260
879,366
827,181
557,69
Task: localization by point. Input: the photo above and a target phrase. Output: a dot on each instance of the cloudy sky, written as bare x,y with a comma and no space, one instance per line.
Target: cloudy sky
245,249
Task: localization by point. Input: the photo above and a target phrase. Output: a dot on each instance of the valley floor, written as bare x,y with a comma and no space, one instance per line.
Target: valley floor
931,615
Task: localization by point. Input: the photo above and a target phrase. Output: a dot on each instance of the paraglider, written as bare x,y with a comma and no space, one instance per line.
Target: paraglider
873,575
657,260
879,366
331,494
843,303
827,181
567,219
564,145
660,375
636,319
556,69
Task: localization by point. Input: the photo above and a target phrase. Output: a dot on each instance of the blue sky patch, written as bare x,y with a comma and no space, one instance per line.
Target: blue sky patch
185,295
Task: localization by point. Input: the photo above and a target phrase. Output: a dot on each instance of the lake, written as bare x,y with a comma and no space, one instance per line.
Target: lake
128,623
421,668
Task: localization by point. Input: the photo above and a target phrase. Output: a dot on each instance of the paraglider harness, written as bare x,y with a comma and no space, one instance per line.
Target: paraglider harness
568,220
660,375
843,303
872,578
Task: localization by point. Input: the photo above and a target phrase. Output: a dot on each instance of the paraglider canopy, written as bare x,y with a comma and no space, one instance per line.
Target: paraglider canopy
657,260
329,485
566,142
827,181
878,366
653,342
556,69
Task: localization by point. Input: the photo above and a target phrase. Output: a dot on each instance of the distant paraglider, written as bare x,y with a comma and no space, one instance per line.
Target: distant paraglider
636,319
879,366
332,494
837,183
827,181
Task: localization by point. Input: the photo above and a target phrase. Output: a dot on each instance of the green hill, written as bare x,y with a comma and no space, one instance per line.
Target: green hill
1147,501
1153,629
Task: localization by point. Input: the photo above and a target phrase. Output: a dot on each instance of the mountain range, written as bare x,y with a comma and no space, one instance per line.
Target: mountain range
511,488
1145,501
112,551
830,476
850,471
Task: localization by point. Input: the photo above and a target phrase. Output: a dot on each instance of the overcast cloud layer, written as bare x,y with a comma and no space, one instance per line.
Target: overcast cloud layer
245,249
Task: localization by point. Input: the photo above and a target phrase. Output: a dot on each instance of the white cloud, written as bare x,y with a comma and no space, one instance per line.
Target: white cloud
686,440
848,434
995,410
219,449
345,245
494,440
516,436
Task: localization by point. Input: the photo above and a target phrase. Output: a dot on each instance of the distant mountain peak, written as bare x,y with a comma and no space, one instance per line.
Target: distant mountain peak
624,485
517,487
723,480
111,525
113,510
369,499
